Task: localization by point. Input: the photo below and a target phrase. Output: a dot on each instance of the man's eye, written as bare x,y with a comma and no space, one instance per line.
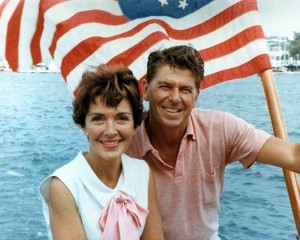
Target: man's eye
187,90
164,87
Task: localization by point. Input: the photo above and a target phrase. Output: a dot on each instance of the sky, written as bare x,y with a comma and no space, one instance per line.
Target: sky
280,17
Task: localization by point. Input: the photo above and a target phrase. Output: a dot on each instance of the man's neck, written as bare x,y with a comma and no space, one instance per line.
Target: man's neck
165,140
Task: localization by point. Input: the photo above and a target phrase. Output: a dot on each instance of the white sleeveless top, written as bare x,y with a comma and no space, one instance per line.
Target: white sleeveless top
92,196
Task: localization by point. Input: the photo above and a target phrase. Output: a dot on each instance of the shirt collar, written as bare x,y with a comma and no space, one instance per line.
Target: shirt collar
190,130
92,182
145,140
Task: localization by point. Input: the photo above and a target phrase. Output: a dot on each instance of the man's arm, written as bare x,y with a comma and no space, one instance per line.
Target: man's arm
280,153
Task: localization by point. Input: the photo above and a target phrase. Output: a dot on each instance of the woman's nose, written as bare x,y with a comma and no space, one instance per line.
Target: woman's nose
110,128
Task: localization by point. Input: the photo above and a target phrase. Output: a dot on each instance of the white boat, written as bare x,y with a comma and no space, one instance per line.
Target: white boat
4,66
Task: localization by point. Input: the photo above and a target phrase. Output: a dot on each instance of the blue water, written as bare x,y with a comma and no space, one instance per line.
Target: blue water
37,135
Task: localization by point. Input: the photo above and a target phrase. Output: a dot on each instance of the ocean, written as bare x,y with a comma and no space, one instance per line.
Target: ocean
37,135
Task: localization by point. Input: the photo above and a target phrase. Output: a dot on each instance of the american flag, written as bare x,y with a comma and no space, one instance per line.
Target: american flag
77,34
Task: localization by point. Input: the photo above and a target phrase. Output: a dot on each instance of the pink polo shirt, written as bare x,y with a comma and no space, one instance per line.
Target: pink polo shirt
189,194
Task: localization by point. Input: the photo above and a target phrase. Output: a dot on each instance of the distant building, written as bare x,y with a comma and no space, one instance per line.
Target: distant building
280,57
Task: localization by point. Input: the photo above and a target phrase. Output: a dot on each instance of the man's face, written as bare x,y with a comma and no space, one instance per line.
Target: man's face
172,95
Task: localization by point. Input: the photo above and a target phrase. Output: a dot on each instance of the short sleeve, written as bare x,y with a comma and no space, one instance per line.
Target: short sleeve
244,141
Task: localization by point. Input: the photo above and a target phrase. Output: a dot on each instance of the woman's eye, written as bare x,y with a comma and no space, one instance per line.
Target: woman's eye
97,119
123,118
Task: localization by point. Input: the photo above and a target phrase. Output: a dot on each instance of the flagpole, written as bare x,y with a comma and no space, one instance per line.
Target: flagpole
291,178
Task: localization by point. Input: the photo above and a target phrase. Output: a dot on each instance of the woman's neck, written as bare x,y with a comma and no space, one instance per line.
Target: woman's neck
107,171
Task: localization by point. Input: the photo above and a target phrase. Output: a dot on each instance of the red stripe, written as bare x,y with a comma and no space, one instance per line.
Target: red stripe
130,55
97,16
127,58
77,55
236,42
35,46
256,65
13,36
190,33
91,16
87,47
47,4
84,49
216,22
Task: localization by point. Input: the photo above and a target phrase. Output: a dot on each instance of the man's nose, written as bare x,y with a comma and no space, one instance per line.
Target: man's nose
175,95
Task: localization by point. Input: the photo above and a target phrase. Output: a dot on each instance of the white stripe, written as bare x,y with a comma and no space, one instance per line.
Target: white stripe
228,31
64,11
57,16
138,67
205,13
27,29
236,58
116,46
232,60
5,17
74,77
113,48
94,29
84,31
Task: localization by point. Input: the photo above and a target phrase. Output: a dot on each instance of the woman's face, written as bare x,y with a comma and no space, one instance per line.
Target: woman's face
109,129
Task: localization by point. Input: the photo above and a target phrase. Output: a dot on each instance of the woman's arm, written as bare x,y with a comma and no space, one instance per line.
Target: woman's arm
153,226
65,221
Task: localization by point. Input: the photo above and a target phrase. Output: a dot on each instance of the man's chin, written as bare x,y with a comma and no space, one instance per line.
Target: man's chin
172,123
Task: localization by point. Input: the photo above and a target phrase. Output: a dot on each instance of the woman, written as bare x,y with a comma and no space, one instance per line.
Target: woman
103,193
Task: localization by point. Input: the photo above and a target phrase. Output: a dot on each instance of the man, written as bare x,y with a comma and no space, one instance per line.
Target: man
188,148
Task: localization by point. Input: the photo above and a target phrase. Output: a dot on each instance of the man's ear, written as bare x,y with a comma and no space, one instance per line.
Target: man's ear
145,88
196,98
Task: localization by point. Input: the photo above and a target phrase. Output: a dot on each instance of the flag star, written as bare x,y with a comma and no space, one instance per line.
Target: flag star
163,2
182,4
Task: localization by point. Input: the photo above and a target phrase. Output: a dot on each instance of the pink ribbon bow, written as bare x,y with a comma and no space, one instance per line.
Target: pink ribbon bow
121,218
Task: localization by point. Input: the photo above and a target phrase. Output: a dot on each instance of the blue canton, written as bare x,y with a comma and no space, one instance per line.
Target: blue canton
134,9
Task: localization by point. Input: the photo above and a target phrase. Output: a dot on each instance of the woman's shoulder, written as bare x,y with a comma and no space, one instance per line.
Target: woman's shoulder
63,172
70,166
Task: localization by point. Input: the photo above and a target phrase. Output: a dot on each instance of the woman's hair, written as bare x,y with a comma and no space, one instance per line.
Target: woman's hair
181,57
112,85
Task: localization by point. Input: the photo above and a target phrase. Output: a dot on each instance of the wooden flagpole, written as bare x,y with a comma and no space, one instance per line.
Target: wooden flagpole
291,178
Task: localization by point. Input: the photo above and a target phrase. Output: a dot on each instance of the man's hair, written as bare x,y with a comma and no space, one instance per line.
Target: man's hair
112,85
181,57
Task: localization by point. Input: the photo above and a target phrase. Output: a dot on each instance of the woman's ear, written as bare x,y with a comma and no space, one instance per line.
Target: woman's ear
145,88
85,132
